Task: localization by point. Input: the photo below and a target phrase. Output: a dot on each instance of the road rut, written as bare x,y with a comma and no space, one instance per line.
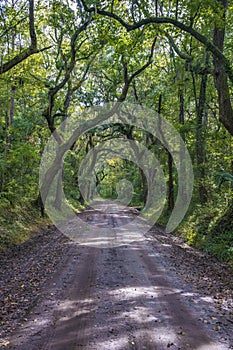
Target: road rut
122,298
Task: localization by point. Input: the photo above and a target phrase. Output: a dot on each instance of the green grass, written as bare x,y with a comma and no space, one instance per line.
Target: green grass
18,222
210,228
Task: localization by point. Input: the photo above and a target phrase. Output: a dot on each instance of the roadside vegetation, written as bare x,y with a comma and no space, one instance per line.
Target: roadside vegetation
173,57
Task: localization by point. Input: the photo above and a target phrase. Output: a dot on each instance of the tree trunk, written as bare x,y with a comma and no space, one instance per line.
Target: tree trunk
220,75
144,185
182,165
181,102
11,116
171,201
39,204
59,191
200,136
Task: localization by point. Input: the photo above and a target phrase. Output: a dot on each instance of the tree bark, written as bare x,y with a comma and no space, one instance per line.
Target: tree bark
220,75
200,136
11,116
171,200
181,102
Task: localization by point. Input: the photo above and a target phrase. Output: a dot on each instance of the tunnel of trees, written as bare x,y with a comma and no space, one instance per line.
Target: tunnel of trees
174,57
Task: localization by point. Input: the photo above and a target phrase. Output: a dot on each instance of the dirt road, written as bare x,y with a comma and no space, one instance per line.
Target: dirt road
127,297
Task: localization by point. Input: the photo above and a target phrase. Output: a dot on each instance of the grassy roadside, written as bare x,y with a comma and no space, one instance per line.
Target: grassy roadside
210,228
18,223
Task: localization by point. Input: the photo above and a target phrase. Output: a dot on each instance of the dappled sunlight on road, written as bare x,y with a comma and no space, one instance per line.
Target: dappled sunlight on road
119,298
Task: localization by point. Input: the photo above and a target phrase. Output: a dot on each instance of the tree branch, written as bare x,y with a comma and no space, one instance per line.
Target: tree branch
31,50
182,55
128,80
146,64
20,58
54,90
166,20
32,25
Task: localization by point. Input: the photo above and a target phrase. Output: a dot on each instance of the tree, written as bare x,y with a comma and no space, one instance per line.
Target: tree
222,66
169,56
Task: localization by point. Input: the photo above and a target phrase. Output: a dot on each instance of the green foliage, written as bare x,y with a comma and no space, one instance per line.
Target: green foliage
222,177
93,71
211,229
18,223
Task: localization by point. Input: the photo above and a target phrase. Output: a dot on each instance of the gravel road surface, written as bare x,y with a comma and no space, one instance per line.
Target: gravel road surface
148,294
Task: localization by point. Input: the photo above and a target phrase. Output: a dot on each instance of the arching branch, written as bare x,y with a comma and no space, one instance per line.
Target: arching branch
167,20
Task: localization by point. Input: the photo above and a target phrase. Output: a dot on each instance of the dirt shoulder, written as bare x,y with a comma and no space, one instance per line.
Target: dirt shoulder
25,269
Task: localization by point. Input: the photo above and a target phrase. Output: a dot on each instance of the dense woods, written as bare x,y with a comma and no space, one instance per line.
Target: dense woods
174,57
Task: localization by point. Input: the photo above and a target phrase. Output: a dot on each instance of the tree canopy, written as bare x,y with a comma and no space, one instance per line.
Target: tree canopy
174,57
